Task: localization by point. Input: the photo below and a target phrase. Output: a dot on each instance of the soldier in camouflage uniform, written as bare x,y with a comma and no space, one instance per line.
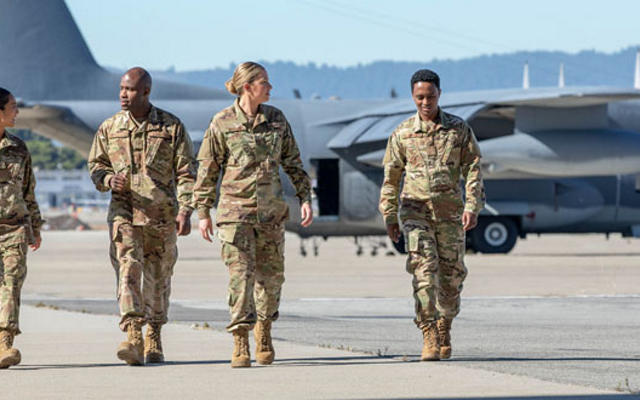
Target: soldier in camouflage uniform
434,150
144,156
20,224
250,141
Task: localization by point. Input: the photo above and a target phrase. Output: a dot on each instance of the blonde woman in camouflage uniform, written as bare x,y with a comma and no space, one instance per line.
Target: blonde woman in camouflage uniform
19,226
433,149
250,141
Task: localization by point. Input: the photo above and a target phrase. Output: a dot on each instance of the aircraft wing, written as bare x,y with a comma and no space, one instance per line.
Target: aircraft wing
364,135
56,123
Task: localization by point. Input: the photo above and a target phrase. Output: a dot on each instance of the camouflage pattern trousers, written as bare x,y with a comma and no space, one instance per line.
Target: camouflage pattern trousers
143,256
436,261
13,271
254,255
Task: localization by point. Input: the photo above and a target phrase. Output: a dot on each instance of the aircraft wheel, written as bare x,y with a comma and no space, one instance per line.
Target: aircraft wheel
400,245
494,235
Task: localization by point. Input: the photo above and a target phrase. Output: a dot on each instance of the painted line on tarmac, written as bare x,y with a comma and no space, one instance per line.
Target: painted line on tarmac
369,299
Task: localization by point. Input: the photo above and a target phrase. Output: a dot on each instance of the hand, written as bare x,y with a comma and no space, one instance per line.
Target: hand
206,229
183,223
118,183
306,213
36,245
469,220
393,230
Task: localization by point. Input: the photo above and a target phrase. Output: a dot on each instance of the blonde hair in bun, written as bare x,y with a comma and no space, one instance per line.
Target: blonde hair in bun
246,72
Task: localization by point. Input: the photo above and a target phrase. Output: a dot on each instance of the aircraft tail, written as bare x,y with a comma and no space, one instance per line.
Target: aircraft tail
45,57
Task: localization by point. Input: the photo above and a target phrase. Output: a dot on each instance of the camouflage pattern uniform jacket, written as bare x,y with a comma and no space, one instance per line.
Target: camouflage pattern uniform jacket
433,157
251,156
18,206
157,159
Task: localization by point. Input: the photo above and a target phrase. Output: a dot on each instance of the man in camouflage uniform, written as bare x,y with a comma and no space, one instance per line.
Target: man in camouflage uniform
434,150
144,156
251,214
20,224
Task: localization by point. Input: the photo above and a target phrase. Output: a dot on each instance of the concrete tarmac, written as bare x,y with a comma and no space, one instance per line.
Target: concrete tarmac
556,317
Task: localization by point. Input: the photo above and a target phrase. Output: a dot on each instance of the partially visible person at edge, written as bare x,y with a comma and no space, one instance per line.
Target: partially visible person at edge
433,149
20,224
250,141
145,157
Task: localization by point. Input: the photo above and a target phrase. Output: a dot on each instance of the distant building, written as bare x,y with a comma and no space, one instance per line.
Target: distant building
63,188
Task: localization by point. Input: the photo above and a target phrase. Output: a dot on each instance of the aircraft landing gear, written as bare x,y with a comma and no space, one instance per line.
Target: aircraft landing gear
316,247
494,235
373,241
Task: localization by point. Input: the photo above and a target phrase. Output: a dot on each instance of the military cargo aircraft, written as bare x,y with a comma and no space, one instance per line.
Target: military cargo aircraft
561,159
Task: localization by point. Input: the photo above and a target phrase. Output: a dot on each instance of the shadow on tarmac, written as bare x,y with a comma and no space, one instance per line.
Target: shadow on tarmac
526,359
283,362
27,367
355,360
575,255
620,396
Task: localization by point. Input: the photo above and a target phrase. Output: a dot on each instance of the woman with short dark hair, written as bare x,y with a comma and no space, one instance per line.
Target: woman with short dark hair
20,224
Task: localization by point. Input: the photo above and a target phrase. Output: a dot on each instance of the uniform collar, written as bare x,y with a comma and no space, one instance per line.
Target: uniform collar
429,126
242,117
128,122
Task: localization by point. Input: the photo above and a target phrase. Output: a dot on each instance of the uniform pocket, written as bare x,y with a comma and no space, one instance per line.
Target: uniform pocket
5,173
452,152
227,233
116,235
417,151
414,237
119,150
241,150
11,169
273,142
159,152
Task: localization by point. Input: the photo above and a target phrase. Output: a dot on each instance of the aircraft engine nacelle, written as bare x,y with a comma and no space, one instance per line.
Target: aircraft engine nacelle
565,153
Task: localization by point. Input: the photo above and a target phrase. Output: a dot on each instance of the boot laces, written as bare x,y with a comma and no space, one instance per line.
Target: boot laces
431,335
6,340
153,333
135,333
265,335
444,327
243,344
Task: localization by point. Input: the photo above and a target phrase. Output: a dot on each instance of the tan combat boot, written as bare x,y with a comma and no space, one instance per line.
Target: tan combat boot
241,357
8,355
431,347
132,350
444,334
264,348
153,345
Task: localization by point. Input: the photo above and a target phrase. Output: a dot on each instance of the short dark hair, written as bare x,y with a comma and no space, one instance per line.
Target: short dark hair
4,97
425,75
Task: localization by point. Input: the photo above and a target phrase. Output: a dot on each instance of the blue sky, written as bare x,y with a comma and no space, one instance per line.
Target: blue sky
202,34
